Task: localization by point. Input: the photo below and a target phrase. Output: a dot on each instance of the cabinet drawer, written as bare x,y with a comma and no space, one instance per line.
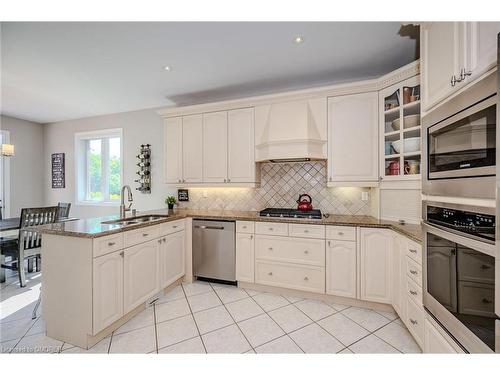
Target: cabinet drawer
476,267
311,279
275,229
414,251
293,250
306,230
415,321
172,227
108,244
340,233
414,271
414,291
245,226
137,236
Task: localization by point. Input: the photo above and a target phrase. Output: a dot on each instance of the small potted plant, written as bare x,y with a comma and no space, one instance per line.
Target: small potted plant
170,200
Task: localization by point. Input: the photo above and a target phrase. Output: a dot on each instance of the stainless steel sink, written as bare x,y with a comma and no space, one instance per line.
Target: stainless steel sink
136,219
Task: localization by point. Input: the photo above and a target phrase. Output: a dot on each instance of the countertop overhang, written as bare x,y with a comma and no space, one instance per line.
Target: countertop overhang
94,227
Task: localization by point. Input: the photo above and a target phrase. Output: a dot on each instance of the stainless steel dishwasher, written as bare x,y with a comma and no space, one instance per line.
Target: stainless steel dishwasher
214,250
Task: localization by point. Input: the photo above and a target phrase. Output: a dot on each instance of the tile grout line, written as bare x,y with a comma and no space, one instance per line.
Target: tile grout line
110,341
155,325
24,335
194,320
239,328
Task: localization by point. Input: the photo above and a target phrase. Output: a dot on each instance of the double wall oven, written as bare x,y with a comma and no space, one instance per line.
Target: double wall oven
461,259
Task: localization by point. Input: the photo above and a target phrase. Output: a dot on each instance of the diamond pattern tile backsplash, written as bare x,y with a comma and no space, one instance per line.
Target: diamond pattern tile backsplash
281,185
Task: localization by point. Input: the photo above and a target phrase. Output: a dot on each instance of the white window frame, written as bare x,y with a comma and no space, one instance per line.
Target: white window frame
5,178
82,166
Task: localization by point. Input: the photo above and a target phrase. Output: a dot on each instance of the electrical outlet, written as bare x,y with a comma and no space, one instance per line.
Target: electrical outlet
364,195
205,194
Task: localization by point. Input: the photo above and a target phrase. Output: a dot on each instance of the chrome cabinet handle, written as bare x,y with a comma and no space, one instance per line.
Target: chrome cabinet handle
180,180
414,322
341,233
111,243
164,240
453,81
464,74
174,226
270,273
251,237
270,228
413,292
145,234
329,243
225,180
228,180
122,254
159,241
485,267
306,252
413,251
306,231
413,272
244,227
306,278
270,248
485,300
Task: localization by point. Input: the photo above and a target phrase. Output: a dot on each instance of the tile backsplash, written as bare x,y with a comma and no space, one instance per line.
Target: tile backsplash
281,185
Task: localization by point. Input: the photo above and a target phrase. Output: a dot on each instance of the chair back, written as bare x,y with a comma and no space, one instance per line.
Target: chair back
63,210
31,217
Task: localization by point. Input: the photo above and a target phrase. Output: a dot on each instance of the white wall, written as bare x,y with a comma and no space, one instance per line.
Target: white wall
26,166
139,127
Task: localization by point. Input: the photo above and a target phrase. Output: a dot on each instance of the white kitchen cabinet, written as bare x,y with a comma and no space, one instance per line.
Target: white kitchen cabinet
481,42
140,274
353,139
435,342
173,150
376,264
241,165
245,257
215,147
441,60
341,268
399,277
172,258
192,149
107,290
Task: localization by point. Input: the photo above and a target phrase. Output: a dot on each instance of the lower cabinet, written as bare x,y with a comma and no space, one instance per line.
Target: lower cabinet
376,264
341,268
435,341
415,320
172,258
107,291
245,257
141,274
399,275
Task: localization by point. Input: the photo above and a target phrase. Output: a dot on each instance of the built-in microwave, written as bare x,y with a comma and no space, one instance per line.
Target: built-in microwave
459,273
460,144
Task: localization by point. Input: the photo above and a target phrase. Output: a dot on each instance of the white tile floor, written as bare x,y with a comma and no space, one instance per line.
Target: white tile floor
212,318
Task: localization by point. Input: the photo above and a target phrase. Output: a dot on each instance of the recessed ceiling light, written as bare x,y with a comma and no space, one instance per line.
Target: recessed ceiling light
298,39
167,68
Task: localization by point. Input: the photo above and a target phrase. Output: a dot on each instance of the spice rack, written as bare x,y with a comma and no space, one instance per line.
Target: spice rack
144,172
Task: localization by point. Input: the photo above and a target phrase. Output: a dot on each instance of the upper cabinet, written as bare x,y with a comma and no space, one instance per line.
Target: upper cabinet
353,140
454,54
211,148
400,131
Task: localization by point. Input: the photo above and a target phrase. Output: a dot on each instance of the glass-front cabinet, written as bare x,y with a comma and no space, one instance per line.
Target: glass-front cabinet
401,141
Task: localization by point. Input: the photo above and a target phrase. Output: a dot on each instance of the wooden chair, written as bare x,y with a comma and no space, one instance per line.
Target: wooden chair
63,210
29,242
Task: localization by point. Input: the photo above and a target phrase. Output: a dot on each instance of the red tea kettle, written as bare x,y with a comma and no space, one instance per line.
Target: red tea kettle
305,203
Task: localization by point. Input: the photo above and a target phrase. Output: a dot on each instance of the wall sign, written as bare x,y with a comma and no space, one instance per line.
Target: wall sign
183,195
58,175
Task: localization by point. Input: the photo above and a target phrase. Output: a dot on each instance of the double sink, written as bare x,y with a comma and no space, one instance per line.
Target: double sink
136,220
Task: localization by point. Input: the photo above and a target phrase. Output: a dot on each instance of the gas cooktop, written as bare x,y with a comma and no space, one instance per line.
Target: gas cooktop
291,213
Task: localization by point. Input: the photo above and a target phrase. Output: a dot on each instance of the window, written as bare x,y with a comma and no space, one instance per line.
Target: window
99,166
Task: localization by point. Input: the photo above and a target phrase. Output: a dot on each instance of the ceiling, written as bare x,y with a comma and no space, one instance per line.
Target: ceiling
58,71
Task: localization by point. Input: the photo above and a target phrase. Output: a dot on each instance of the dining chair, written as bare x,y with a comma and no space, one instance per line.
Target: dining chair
29,242
63,210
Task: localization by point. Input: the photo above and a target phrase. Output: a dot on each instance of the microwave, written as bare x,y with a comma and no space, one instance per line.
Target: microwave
459,273
460,144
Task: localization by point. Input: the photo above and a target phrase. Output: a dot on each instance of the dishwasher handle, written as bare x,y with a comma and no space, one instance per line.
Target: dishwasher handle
208,227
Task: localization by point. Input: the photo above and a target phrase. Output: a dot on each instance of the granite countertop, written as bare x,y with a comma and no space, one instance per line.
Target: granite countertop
94,227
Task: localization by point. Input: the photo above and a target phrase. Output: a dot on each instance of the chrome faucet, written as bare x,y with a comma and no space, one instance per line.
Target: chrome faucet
123,209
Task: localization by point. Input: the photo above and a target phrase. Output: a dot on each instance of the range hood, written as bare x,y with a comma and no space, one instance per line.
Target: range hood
291,131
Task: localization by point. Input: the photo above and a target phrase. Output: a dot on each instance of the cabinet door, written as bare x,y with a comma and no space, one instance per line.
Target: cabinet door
245,257
481,47
341,268
434,342
173,150
192,148
172,258
376,265
440,56
241,145
107,291
353,138
140,276
215,147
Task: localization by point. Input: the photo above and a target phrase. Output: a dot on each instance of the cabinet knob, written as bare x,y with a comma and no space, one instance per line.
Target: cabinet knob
414,322
111,243
225,180
271,229
306,252
413,272
485,267
174,226
270,273
122,254
251,237
485,300
145,234
180,180
244,227
306,231
270,248
413,292
306,278
341,233
228,180
413,251
329,243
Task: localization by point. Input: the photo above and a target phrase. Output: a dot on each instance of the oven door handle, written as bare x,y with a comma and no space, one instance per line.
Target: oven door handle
452,236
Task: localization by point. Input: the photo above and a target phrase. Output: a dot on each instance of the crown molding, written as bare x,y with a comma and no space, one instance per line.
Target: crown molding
376,84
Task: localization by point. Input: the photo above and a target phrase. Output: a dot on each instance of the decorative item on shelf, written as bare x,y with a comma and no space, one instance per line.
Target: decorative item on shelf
144,171
58,171
304,203
412,167
183,195
170,201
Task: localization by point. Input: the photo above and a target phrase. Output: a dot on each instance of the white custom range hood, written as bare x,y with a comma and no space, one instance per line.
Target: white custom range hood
291,131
